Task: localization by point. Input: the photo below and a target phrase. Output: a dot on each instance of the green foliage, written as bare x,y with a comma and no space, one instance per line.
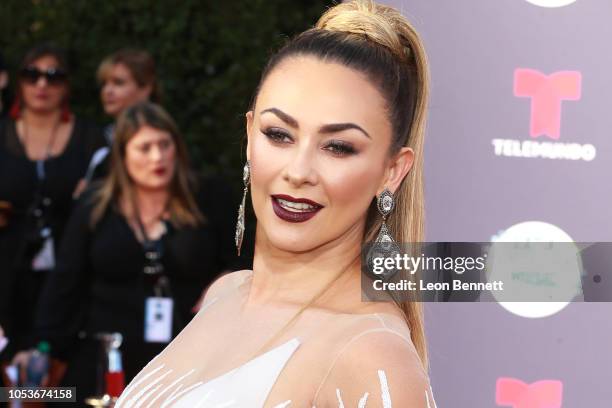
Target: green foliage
209,56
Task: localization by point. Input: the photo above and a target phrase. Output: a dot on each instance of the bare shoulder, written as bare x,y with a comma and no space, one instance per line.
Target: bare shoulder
224,284
377,367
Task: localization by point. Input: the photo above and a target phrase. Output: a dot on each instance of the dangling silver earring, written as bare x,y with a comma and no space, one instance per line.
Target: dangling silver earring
385,205
384,246
246,176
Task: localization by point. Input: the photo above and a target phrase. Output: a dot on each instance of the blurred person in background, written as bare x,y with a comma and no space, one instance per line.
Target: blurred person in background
44,151
126,77
147,230
4,81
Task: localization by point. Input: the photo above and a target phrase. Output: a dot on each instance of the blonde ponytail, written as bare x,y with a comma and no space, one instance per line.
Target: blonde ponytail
386,27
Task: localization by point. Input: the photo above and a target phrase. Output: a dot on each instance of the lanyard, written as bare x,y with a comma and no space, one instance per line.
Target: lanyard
153,266
40,171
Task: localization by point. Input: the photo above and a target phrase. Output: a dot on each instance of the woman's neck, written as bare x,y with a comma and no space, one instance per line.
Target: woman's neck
41,120
151,203
296,277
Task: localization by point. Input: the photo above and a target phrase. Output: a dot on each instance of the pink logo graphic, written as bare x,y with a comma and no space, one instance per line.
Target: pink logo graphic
546,93
514,393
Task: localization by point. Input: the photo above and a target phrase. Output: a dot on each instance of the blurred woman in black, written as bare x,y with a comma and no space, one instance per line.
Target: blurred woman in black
126,77
146,231
44,151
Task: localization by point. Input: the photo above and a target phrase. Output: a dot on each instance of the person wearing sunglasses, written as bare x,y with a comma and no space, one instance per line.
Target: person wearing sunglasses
44,151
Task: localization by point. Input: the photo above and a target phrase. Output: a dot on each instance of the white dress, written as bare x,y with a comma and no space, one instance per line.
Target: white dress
290,374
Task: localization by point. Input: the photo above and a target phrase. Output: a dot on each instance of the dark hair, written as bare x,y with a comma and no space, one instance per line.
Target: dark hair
34,53
140,64
44,50
181,205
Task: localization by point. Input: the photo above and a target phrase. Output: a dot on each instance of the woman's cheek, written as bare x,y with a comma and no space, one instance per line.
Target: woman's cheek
135,163
267,160
351,188
58,95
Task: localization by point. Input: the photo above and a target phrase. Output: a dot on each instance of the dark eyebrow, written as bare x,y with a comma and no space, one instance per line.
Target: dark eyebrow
283,116
331,128
339,127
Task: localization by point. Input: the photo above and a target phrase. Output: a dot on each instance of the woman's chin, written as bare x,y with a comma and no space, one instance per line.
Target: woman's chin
112,109
43,108
292,241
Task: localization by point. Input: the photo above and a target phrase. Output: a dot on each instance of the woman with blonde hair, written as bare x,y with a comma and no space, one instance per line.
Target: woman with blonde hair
126,77
335,159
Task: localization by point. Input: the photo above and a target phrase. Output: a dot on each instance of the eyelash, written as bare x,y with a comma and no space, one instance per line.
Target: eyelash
276,135
336,147
340,148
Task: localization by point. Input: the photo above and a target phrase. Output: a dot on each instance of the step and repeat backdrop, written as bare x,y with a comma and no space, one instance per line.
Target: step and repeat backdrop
518,145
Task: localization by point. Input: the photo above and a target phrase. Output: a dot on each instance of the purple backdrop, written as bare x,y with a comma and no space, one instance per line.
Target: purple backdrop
534,79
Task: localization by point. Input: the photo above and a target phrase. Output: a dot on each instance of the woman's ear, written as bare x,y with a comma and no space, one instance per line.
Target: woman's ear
397,169
249,126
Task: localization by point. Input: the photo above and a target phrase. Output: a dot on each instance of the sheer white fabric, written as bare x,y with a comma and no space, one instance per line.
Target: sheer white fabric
323,360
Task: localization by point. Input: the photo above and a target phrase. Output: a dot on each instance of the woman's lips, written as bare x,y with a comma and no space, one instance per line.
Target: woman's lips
160,172
109,101
292,209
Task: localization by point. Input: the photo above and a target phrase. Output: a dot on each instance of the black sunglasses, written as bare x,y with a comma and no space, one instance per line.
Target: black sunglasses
53,76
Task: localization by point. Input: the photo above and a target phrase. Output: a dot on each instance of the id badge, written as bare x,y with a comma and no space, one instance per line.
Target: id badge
158,319
45,258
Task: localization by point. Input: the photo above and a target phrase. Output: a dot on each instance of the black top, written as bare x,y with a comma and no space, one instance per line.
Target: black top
19,182
21,187
99,284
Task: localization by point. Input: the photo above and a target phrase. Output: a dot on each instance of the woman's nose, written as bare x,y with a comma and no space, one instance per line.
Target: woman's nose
300,168
41,81
156,153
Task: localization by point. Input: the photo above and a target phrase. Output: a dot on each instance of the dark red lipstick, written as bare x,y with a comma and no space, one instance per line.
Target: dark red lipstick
294,215
160,171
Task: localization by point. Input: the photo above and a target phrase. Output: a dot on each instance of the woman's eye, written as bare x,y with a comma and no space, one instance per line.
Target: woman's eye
277,135
340,148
